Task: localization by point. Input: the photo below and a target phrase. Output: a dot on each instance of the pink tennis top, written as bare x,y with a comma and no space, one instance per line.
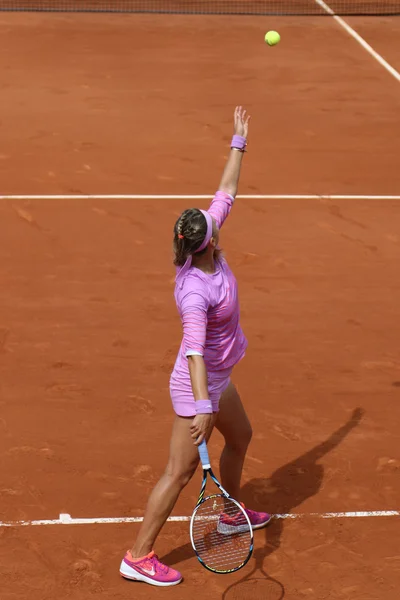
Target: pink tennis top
208,305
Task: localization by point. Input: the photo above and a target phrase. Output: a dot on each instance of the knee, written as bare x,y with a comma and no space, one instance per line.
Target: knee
180,474
247,435
241,442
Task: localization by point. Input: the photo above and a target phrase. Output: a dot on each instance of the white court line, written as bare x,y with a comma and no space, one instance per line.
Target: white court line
359,39
196,197
66,519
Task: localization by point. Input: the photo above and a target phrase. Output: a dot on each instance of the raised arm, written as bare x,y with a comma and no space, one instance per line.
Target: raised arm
230,178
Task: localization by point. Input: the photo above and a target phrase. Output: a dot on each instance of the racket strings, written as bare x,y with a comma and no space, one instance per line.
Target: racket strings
221,534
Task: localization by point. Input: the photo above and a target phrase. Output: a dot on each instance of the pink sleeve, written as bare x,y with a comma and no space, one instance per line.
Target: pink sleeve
193,309
221,207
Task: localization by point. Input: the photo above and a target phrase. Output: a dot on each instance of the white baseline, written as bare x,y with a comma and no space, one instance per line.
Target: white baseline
196,197
66,519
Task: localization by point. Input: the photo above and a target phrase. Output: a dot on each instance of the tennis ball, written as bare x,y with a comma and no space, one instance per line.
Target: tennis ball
272,38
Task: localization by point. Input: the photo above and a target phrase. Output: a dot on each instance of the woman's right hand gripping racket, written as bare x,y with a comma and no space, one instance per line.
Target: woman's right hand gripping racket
220,530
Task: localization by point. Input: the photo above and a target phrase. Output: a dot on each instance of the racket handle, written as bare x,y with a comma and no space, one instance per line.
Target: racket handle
205,459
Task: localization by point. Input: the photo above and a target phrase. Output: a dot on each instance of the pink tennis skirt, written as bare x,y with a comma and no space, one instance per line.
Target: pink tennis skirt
182,395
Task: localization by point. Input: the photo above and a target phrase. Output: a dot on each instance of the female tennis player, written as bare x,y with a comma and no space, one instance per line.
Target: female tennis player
202,393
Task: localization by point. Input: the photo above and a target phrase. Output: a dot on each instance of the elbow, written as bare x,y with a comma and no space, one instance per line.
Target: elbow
195,358
195,362
229,188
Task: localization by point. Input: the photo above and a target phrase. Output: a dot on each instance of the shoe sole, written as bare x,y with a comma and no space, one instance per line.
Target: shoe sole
128,573
262,525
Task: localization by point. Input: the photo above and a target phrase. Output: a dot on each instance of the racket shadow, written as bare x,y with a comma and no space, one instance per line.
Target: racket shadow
288,487
255,585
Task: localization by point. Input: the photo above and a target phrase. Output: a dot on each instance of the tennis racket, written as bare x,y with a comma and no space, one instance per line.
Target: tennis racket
220,530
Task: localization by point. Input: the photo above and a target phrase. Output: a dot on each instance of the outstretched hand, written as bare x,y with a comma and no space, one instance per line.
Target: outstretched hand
241,122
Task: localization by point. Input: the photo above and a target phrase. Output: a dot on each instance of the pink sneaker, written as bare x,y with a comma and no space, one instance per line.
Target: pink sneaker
229,524
258,520
148,569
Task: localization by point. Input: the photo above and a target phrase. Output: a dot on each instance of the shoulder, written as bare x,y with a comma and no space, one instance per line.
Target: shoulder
194,290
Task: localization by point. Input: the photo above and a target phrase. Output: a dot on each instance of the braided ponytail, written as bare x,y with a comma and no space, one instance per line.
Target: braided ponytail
179,227
189,232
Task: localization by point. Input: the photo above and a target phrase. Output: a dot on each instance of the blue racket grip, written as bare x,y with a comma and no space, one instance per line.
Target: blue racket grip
205,459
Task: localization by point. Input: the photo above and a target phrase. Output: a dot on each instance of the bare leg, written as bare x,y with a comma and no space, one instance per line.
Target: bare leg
234,425
182,463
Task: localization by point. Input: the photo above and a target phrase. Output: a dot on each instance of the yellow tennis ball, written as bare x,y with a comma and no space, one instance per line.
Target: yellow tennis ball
272,38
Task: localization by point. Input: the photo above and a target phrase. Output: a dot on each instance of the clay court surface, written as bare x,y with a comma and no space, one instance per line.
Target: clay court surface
100,104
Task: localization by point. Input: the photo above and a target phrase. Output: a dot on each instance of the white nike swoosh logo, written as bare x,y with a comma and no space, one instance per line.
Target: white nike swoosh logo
152,571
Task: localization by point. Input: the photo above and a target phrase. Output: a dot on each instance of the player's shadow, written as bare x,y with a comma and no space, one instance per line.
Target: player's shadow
288,487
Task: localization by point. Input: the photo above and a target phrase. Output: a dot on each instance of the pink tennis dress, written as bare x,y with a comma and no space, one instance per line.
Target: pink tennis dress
208,306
